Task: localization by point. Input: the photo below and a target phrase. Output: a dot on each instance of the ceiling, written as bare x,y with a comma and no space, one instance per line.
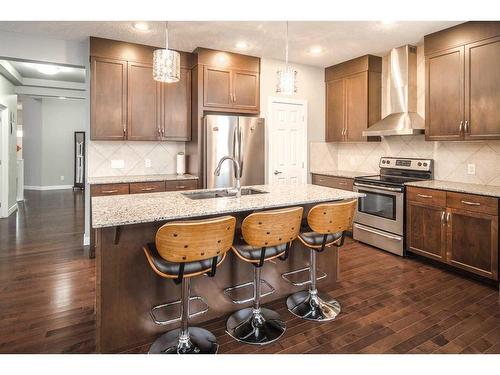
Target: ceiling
66,74
339,40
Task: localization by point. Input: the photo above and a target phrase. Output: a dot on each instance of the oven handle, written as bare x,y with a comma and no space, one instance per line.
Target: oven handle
366,229
379,187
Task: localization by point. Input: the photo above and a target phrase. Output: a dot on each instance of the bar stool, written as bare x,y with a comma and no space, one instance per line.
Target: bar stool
327,224
181,251
266,235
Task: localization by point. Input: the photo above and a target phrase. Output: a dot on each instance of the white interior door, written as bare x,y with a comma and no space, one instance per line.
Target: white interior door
288,142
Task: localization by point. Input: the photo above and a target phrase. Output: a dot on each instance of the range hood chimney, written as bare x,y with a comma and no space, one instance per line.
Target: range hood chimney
403,118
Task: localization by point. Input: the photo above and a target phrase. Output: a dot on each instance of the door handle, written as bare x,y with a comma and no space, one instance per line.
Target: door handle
278,172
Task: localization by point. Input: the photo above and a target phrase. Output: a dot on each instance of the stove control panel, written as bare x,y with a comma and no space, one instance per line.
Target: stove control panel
406,163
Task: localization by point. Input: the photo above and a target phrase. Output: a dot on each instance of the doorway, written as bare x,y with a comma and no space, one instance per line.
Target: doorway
287,145
4,178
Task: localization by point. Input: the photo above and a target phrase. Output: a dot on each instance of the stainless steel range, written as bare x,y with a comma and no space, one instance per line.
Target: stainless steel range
380,217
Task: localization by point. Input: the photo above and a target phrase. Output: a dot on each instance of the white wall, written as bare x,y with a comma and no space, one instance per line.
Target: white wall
9,99
310,87
48,133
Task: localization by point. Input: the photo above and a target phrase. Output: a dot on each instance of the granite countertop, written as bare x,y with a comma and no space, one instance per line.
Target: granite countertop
109,211
460,187
141,178
340,173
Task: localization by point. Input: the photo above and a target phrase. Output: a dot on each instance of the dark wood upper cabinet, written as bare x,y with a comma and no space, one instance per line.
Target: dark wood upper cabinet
482,93
353,98
462,80
335,110
176,108
108,99
217,88
230,82
445,95
143,104
127,103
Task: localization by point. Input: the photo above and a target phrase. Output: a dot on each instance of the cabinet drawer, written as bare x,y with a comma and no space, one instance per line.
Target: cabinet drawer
181,185
109,189
472,202
333,182
147,187
431,197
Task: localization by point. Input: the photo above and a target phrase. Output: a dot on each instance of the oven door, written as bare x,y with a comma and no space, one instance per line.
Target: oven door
381,208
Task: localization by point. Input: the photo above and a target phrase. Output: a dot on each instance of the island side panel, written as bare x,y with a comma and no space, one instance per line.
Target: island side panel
127,287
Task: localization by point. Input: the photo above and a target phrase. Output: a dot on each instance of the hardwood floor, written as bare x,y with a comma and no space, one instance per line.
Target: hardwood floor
389,304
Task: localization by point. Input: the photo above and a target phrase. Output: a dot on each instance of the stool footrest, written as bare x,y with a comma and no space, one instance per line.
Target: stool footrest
202,311
263,282
286,276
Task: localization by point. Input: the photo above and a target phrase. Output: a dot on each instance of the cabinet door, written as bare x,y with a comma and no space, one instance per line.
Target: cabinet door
472,242
143,103
245,90
335,110
444,106
356,89
217,88
482,94
108,105
426,231
176,100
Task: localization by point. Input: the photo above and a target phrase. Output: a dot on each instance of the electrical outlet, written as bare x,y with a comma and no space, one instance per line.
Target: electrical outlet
471,169
117,164
62,178
147,163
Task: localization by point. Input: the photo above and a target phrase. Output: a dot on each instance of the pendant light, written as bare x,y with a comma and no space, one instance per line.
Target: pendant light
287,77
166,63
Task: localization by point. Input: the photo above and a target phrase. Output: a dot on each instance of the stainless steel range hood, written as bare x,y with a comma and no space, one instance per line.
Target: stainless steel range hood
402,96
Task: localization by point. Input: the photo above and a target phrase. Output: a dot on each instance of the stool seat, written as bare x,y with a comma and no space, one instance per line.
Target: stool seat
250,253
171,269
316,239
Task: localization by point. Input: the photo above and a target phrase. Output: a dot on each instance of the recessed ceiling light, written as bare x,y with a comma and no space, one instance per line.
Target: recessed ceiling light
242,45
315,50
141,26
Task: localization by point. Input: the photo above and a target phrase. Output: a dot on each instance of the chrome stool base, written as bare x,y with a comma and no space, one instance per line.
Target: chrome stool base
311,306
258,327
200,341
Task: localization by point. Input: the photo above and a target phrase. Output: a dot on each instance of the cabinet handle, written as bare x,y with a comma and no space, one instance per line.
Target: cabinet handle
448,217
109,191
460,127
442,217
466,126
147,189
124,131
181,187
159,130
234,98
471,203
424,196
342,183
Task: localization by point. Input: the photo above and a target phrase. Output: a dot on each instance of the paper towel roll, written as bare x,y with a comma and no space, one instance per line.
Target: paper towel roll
181,163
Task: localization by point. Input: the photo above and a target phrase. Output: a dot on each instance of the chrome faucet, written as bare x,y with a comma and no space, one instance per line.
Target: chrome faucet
238,172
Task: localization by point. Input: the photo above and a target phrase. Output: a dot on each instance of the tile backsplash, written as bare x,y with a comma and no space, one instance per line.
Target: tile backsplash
133,154
450,158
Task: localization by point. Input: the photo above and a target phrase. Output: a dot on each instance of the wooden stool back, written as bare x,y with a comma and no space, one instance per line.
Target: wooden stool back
272,228
191,241
332,217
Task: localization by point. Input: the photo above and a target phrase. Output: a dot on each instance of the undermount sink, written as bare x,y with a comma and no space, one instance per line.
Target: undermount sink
222,193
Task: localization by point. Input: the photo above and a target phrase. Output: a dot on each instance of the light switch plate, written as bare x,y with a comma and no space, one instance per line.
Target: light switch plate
117,164
147,163
471,169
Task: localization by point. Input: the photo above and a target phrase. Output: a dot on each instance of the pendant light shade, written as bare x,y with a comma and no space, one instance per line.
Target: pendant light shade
287,77
166,63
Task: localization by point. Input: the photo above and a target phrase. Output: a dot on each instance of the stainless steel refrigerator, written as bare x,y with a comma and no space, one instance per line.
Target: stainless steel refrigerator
240,137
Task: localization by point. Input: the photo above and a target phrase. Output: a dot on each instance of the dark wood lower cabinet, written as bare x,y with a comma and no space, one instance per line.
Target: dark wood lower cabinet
463,237
426,230
472,242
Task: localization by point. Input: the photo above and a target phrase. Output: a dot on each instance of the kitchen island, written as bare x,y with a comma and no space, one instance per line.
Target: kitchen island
127,288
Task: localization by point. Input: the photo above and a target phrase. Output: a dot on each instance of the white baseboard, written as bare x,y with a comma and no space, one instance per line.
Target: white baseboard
86,240
52,187
12,209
